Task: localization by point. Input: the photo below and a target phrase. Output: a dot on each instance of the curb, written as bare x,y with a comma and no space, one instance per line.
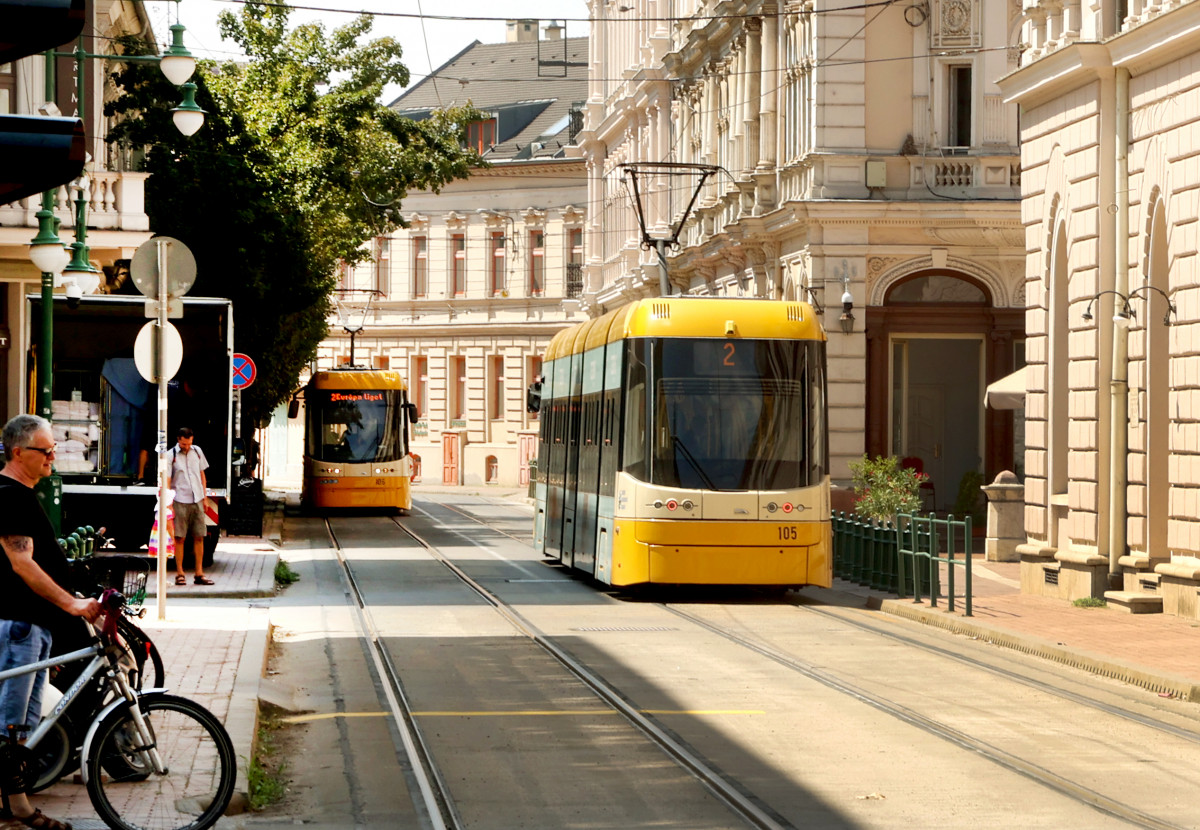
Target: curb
1149,679
242,721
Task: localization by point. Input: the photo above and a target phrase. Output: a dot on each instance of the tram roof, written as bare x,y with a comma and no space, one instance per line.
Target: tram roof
692,317
357,379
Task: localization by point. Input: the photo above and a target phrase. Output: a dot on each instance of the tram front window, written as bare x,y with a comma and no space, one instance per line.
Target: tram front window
736,414
355,426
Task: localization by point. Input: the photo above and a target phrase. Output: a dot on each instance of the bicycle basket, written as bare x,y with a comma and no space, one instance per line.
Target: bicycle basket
126,574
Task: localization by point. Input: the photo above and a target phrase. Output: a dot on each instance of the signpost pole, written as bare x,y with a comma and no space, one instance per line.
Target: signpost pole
160,362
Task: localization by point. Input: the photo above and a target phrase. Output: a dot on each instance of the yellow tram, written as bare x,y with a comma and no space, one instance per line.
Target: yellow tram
356,440
684,440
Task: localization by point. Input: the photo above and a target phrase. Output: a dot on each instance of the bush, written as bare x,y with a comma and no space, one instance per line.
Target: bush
884,488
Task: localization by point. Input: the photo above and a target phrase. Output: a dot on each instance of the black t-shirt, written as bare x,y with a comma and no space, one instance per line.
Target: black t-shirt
21,514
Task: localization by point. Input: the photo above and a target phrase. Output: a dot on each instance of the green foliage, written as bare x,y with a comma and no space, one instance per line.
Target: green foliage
884,488
272,193
970,500
1090,602
266,774
284,575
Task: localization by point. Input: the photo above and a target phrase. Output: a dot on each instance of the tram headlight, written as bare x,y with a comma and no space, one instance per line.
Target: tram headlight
687,505
772,507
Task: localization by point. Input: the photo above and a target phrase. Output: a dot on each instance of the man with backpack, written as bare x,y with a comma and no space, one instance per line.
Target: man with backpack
185,475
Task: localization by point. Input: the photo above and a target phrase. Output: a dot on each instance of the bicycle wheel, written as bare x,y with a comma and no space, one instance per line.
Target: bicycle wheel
197,755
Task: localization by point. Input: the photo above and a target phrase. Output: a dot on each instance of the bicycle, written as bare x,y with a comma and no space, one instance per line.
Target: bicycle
151,761
59,754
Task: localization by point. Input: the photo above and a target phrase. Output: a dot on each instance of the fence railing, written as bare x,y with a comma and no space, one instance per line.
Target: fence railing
906,558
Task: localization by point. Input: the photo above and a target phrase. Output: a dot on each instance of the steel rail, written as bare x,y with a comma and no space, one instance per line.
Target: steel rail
1028,769
1013,676
439,808
1012,762
726,792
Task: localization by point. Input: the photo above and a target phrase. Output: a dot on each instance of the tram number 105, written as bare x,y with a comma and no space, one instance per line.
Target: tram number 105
788,532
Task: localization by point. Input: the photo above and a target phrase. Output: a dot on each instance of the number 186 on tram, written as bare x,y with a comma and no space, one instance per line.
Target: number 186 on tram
684,441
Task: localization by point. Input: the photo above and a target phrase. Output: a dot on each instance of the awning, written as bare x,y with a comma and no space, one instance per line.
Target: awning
1008,392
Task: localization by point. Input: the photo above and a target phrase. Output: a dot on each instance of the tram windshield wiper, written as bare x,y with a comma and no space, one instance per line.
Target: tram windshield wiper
691,459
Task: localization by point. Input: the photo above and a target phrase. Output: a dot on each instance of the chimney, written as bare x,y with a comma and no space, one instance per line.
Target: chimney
522,31
554,31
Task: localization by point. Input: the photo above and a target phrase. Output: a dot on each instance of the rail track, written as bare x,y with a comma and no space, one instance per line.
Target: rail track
1121,708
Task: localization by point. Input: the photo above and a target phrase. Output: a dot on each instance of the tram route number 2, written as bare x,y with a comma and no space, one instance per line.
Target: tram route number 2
788,533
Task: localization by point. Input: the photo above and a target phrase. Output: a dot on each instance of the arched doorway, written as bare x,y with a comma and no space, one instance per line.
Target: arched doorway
932,348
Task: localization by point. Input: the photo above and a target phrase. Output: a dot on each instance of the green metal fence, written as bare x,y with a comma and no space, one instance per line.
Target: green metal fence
906,558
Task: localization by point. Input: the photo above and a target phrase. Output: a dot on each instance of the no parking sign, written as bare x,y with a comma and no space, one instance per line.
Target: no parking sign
244,371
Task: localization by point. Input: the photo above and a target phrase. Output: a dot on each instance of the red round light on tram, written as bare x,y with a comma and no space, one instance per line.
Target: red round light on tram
787,507
672,504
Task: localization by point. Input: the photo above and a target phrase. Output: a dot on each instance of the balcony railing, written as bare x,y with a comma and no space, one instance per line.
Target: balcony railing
574,280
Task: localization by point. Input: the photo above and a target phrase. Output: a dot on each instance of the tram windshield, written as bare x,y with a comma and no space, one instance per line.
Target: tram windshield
355,425
726,414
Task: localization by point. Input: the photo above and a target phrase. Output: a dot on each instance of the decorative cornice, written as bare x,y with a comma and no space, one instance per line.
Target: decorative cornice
1059,72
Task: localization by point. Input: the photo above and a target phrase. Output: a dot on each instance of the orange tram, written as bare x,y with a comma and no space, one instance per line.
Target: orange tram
356,434
684,440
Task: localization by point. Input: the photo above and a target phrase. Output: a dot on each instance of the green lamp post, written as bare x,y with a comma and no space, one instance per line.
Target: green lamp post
73,268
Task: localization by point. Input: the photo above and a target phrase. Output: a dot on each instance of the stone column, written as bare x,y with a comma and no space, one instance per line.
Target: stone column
1005,518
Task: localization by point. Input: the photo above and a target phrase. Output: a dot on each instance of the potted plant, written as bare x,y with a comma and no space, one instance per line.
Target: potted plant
884,488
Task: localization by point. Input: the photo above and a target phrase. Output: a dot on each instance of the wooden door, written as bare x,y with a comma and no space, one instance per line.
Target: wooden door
451,448
527,447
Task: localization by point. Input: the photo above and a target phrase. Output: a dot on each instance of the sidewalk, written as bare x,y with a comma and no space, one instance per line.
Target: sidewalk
1154,651
214,644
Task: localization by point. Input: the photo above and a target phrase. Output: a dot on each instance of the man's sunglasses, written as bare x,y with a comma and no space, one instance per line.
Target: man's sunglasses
46,451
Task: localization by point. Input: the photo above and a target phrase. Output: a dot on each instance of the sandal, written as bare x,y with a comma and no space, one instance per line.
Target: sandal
203,580
41,821
181,580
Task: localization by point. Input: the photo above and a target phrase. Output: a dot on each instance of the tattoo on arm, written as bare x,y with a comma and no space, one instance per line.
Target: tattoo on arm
21,545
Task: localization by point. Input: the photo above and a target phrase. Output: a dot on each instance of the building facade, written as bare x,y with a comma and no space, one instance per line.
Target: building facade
1113,485
863,152
112,192
466,298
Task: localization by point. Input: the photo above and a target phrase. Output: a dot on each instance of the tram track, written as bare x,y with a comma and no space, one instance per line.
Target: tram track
438,807
435,794
1030,770
727,793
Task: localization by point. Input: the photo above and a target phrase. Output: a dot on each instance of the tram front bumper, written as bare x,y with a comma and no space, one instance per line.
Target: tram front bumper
738,563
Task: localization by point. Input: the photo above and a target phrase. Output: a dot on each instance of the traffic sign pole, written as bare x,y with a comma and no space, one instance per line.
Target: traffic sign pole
164,247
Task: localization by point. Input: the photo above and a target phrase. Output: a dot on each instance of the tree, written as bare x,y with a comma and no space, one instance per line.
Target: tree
270,194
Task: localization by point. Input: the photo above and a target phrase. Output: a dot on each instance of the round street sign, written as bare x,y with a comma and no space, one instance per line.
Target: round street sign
181,267
144,354
244,371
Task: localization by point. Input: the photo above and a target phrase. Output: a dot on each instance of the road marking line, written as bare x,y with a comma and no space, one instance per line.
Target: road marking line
521,713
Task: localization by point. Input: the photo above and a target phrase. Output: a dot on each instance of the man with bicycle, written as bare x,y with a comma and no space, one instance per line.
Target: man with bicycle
34,574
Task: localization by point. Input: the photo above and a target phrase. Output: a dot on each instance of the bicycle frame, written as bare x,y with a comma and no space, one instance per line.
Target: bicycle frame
101,660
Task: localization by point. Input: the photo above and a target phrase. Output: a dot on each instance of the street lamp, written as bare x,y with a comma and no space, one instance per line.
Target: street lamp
47,251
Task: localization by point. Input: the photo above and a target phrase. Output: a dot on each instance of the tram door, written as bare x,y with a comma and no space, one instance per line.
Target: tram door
571,477
588,481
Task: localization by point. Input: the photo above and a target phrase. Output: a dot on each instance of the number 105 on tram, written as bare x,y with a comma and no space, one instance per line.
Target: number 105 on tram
356,440
684,441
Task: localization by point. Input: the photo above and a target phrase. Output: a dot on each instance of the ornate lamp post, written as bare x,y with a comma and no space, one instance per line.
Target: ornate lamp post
74,269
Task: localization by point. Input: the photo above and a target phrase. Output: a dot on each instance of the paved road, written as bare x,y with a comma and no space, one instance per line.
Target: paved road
821,716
